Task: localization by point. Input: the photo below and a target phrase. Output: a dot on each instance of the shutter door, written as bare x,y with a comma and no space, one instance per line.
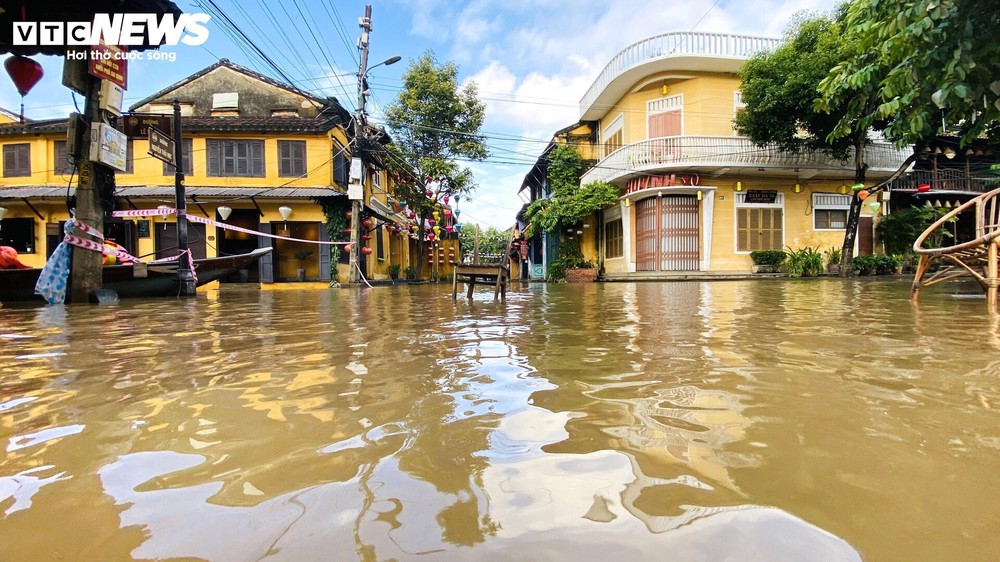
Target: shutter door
646,234
679,233
266,263
667,124
324,253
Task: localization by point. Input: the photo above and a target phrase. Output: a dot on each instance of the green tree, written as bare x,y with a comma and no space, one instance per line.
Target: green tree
570,202
434,123
932,66
492,241
780,89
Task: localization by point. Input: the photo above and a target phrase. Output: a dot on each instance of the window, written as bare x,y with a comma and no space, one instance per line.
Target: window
19,234
239,158
291,158
613,239
16,160
379,244
188,155
759,226
830,211
376,177
665,117
614,135
62,167
339,165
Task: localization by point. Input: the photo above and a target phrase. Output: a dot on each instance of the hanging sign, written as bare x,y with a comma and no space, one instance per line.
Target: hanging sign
761,196
108,62
161,146
137,126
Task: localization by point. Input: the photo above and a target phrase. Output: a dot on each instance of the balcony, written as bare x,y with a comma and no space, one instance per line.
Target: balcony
943,181
710,52
706,154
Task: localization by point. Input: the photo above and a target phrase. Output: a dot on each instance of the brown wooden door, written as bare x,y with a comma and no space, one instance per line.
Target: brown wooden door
646,214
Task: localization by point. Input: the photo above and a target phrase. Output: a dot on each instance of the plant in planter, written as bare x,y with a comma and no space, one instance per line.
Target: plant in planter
767,261
865,265
302,256
411,272
804,262
832,256
394,270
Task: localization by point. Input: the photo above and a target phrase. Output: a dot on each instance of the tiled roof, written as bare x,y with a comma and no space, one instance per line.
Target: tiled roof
200,124
168,191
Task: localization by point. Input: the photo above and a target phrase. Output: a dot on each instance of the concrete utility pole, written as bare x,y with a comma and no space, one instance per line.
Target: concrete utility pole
184,274
87,275
356,153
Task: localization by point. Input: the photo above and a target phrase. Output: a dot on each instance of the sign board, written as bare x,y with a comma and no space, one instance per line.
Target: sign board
108,146
143,227
75,73
161,146
107,62
760,196
137,125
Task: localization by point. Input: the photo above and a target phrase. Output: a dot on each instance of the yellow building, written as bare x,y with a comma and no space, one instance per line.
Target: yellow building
695,196
258,154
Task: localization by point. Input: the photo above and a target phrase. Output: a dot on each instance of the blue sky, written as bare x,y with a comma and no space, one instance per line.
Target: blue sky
531,59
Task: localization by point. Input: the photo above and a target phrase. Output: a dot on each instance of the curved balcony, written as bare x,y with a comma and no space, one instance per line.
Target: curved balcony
710,52
706,154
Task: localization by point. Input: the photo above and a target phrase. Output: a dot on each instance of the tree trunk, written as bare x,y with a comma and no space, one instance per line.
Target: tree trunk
854,213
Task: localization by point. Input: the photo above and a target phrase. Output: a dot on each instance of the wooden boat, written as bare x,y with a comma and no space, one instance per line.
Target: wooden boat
154,279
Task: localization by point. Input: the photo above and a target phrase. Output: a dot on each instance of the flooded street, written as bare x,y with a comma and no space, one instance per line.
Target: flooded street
764,420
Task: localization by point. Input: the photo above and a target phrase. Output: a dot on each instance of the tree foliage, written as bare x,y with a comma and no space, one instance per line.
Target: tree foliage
492,241
434,123
933,65
570,202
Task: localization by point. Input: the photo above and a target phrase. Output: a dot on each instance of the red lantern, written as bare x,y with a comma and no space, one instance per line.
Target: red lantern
862,195
449,228
447,212
923,188
366,251
367,223
348,248
25,73
367,236
430,222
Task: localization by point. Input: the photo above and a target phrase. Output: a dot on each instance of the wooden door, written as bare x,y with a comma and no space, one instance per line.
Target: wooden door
646,213
679,233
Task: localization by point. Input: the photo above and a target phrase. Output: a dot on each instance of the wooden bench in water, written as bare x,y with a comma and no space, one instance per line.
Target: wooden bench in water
483,273
976,258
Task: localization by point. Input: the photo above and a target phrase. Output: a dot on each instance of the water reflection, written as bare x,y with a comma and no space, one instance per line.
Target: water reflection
763,421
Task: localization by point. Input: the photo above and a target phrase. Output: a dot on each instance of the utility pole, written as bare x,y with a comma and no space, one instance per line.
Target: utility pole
356,153
87,275
184,274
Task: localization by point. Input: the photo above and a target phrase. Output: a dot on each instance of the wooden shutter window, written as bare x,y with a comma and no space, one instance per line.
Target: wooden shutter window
291,158
214,161
17,160
187,150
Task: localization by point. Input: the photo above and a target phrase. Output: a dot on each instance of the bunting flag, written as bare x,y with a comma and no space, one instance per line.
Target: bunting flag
210,222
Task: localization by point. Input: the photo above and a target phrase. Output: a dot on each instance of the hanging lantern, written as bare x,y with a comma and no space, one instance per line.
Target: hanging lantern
862,195
458,227
347,230
409,214
402,204
430,237
224,212
25,73
458,212
366,250
437,215
348,248
858,186
875,205
430,222
449,228
430,193
437,231
367,236
367,223
445,199
447,213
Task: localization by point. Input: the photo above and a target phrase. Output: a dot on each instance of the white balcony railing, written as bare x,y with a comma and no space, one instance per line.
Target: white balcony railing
717,152
672,45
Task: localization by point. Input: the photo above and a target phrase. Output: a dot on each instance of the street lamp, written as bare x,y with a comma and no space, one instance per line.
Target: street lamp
354,271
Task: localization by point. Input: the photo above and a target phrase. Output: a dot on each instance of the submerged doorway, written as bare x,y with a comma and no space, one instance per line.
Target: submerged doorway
667,233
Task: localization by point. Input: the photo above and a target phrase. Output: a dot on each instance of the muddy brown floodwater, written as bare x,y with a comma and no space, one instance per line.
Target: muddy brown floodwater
767,420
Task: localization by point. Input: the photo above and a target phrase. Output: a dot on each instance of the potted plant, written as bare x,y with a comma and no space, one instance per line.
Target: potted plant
767,261
302,256
394,270
583,272
833,255
411,273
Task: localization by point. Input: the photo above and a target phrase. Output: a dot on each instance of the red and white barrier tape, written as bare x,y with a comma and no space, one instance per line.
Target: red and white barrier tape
218,224
120,255
144,213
